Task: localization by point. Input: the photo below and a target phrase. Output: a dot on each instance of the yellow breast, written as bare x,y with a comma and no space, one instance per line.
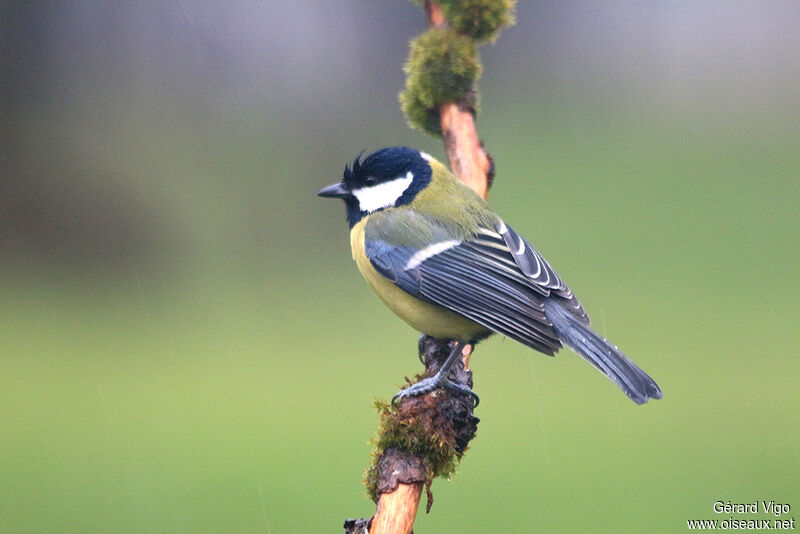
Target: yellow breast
430,319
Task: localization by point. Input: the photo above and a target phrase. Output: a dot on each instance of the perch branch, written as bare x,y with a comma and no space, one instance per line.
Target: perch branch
397,514
468,159
437,426
399,474
397,510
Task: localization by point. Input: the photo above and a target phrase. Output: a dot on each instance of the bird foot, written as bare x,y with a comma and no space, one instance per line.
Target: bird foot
429,384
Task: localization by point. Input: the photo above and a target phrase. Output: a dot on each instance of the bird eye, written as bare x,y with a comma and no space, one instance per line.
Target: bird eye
370,180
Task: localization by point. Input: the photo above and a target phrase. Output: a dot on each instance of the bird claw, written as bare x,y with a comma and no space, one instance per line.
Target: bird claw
421,348
420,388
464,390
429,384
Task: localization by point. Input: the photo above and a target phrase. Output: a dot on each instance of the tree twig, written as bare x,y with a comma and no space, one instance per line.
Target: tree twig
468,159
397,512
437,427
400,474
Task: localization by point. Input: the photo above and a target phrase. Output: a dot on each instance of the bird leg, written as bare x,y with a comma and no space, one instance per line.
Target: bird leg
421,348
440,380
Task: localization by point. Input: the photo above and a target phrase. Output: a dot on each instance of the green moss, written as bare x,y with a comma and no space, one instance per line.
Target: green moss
418,432
419,115
480,19
443,64
442,67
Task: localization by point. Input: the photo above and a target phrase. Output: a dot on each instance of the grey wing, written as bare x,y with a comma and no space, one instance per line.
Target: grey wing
506,246
498,280
479,279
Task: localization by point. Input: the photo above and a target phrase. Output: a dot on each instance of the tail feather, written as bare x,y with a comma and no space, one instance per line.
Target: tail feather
600,353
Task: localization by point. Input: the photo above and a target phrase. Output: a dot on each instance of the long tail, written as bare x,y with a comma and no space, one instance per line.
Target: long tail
607,358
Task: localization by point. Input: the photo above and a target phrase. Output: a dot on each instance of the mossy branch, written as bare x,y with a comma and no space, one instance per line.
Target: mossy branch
443,64
430,432
442,70
425,436
480,19
442,67
422,438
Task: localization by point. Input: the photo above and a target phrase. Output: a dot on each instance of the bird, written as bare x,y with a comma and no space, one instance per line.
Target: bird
443,261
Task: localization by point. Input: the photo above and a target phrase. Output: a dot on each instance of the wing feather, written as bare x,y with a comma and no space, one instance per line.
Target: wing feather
502,316
493,278
496,279
529,260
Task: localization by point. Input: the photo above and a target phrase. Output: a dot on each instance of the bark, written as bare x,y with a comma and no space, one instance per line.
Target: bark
402,474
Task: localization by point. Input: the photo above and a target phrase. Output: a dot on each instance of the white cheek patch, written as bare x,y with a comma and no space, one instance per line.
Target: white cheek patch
382,195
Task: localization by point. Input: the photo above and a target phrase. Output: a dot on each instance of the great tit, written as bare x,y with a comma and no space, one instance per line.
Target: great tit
445,263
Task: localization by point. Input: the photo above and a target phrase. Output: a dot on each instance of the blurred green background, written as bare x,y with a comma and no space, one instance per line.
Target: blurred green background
186,346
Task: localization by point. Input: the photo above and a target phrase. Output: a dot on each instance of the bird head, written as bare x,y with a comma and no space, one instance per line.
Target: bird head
388,178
